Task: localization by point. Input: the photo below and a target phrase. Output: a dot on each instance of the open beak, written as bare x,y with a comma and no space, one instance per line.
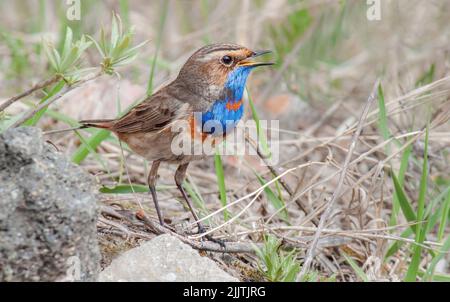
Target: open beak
249,63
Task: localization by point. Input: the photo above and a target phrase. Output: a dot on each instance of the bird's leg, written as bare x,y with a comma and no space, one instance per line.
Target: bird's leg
152,175
180,175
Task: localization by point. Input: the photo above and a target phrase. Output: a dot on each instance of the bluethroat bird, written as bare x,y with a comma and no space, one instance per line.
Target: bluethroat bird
210,83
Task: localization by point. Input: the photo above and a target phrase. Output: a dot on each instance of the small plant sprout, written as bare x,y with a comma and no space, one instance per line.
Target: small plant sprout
118,50
65,63
275,264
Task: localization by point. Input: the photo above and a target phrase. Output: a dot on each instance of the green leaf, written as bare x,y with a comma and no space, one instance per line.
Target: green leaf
116,32
275,264
134,50
97,45
67,42
121,47
57,58
70,59
103,43
125,60
48,49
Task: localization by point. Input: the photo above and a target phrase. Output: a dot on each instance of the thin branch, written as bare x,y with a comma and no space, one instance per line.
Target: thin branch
56,97
36,87
337,193
230,247
284,184
256,192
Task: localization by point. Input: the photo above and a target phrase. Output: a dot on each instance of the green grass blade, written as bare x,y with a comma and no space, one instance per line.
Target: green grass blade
427,77
197,198
274,200
91,144
423,182
359,272
262,139
444,250
434,219
405,204
441,278
221,183
35,119
401,178
382,118
162,23
127,189
413,269
444,217
93,152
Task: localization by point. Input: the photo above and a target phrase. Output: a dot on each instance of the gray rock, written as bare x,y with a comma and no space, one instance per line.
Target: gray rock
164,259
48,213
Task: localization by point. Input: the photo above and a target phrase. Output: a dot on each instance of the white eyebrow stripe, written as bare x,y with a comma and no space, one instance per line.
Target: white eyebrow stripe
218,54
221,47
212,55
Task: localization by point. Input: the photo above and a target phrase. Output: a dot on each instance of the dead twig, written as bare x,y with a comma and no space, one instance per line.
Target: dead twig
283,183
38,86
337,193
56,97
230,247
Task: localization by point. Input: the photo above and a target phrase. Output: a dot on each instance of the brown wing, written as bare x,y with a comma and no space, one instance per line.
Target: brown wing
151,115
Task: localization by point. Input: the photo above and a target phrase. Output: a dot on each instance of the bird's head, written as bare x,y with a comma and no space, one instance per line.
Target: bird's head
220,70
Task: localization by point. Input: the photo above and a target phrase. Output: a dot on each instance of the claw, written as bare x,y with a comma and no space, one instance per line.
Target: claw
202,229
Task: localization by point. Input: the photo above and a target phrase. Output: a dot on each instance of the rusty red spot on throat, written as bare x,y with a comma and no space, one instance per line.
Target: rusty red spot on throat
233,106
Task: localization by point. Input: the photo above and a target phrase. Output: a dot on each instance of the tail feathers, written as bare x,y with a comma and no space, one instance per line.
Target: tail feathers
103,124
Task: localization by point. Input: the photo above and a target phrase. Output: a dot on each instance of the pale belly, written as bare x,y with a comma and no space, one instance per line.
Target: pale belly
186,145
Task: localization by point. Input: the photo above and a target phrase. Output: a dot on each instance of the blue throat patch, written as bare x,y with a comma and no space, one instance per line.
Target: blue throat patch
225,113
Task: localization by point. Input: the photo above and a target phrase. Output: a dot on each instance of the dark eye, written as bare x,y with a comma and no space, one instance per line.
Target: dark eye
227,60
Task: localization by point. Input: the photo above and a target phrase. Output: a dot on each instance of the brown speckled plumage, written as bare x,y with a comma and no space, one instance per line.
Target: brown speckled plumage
146,128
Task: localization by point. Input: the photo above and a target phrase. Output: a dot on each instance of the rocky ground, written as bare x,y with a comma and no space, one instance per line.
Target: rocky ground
49,212
48,224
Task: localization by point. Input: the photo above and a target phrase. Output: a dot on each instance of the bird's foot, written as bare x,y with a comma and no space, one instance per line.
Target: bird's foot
202,230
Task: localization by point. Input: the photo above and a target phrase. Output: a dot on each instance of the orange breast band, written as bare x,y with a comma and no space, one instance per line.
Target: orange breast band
195,132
